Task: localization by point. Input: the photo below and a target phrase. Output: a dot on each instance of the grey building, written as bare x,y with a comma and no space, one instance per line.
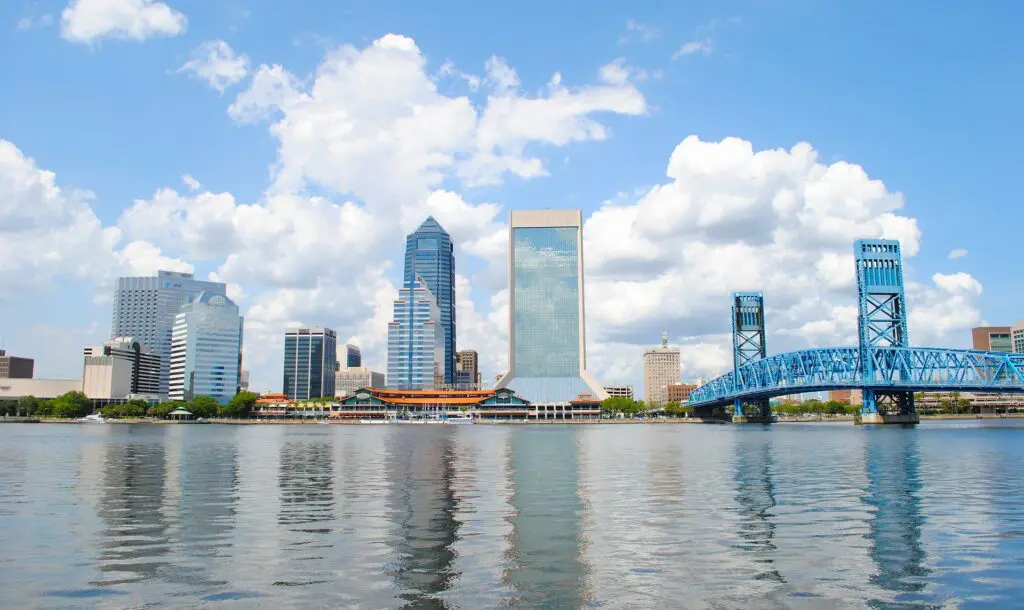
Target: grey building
349,356
145,309
121,368
13,367
348,380
310,362
467,369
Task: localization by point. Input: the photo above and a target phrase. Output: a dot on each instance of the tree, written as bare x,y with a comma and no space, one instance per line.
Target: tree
239,406
163,410
28,405
70,405
203,406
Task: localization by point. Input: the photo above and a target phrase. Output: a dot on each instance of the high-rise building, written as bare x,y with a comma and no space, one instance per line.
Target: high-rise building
661,369
13,367
350,379
467,369
310,361
349,356
992,338
547,342
430,254
206,349
121,368
145,309
619,391
415,340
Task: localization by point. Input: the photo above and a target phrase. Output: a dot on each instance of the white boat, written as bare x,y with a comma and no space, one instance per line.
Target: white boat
459,419
95,418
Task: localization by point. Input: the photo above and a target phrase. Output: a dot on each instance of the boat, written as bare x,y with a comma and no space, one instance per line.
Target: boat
95,418
459,419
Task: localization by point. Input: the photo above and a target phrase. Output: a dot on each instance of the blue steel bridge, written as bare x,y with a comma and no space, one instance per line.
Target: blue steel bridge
884,367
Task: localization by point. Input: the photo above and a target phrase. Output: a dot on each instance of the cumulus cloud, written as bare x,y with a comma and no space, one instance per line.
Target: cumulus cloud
216,62
86,21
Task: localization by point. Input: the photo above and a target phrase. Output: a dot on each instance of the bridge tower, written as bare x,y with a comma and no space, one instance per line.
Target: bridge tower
882,322
748,345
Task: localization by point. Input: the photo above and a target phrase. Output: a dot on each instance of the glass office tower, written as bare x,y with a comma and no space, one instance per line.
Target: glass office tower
206,349
415,340
547,348
310,360
430,254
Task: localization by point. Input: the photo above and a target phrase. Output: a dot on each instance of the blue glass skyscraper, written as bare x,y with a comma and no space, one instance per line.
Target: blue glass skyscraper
415,340
430,254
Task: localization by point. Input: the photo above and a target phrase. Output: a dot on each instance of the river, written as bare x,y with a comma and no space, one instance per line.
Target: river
533,516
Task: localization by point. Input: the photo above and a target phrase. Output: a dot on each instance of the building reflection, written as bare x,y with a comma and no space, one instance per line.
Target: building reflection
893,488
755,497
305,480
135,535
422,512
547,541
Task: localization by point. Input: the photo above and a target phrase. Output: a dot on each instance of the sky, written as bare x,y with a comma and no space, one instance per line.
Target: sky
713,146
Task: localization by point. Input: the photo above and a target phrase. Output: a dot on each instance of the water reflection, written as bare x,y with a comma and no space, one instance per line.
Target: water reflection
893,489
547,540
755,497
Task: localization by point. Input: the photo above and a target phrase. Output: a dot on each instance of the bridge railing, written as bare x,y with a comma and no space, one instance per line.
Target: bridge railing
911,368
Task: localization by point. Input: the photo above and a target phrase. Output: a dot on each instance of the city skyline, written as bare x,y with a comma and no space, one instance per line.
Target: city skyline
604,120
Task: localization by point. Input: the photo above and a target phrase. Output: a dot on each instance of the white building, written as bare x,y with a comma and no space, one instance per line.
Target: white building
349,379
621,391
39,388
661,369
206,349
547,340
121,368
1017,337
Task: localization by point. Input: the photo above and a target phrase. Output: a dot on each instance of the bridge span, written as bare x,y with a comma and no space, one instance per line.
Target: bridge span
883,366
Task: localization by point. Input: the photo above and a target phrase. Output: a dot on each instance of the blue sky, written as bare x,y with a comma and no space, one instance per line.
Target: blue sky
922,100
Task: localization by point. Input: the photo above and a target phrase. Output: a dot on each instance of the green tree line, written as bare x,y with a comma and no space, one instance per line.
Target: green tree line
73,405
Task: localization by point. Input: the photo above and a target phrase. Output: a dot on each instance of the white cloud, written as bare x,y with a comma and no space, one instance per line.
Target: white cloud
190,182
694,46
217,63
956,253
34,21
639,31
86,21
619,72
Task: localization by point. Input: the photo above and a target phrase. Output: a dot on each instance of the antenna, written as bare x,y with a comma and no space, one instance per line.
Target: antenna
664,338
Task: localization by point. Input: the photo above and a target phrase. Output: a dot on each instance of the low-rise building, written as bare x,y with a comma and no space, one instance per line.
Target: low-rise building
39,388
620,391
992,338
679,392
849,397
13,367
349,379
499,404
119,369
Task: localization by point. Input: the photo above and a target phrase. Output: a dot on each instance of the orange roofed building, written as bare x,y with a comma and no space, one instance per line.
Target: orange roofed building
374,403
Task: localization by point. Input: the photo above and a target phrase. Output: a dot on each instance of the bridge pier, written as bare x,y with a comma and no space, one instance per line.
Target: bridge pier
757,411
887,407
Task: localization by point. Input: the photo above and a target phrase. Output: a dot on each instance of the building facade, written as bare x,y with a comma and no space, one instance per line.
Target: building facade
992,338
415,340
430,255
121,368
619,391
310,362
661,369
547,338
145,309
349,356
679,392
15,388
849,397
13,367
467,369
349,379
1017,337
206,349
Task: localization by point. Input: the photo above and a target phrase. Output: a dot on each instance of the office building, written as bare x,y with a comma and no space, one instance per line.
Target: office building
1017,337
679,392
310,362
467,369
849,397
349,356
415,340
121,368
13,367
145,309
15,388
206,349
661,369
619,391
350,379
992,338
243,381
430,255
547,339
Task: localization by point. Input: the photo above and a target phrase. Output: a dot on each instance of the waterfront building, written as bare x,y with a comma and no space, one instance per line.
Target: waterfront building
992,338
547,339
1017,337
661,369
145,309
13,367
206,349
349,379
499,404
310,362
619,391
430,255
121,368
679,392
467,369
415,340
349,356
15,388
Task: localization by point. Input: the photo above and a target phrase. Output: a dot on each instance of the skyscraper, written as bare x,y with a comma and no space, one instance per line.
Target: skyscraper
547,346
310,359
661,369
415,340
349,356
206,349
430,254
145,309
